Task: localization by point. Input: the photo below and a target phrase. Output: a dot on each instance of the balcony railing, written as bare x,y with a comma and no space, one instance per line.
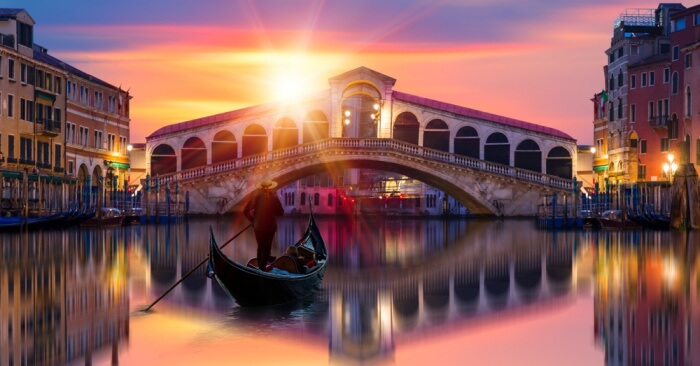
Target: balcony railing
48,126
7,40
658,121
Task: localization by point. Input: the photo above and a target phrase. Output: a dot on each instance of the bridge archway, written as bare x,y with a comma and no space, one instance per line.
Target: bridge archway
224,147
497,149
437,135
528,156
559,163
315,127
254,140
285,134
163,160
193,153
406,128
467,142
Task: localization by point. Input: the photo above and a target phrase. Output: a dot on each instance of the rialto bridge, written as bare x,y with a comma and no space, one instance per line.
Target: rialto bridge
491,164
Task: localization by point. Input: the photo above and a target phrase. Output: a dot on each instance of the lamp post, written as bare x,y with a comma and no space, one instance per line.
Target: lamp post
346,122
670,168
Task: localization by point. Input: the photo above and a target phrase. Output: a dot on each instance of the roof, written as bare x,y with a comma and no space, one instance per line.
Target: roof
39,55
10,12
473,113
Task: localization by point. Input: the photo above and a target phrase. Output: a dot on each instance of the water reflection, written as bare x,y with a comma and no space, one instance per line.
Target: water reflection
66,296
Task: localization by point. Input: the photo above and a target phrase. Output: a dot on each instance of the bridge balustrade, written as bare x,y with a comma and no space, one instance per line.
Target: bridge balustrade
369,143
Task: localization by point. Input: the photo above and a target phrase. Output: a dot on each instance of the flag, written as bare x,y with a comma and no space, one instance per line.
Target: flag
603,99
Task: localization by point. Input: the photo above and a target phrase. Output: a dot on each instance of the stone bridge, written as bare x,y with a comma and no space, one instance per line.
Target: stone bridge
484,187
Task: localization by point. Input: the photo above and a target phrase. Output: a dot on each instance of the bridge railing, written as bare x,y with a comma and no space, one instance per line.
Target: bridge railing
373,143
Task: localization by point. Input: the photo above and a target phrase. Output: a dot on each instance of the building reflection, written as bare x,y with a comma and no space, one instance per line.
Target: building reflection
646,298
63,296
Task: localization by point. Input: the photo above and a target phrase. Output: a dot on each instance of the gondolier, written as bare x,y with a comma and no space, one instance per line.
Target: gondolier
263,210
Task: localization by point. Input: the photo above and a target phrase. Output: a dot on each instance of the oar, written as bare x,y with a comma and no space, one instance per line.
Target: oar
195,267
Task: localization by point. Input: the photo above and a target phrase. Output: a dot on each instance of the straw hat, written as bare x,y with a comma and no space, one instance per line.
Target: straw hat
266,184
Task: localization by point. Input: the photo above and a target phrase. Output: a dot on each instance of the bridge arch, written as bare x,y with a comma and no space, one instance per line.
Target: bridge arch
163,160
193,153
437,135
254,140
528,156
467,142
224,147
497,148
406,128
315,126
559,162
285,133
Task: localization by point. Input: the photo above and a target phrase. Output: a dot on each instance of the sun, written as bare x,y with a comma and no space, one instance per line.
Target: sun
289,86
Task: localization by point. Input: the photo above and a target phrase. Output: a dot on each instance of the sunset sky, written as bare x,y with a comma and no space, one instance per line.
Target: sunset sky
538,61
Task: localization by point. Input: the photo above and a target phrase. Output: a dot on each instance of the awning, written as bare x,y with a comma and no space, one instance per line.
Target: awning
15,175
600,167
115,164
50,97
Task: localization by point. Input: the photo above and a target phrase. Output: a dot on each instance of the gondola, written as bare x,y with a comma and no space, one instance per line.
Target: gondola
250,287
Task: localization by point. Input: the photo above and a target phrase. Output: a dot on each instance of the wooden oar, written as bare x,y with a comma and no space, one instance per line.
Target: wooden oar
195,267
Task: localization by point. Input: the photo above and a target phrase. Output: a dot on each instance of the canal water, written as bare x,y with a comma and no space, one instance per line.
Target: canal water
396,292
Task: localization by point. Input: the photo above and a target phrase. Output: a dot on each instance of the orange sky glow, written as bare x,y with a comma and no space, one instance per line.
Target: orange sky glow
543,71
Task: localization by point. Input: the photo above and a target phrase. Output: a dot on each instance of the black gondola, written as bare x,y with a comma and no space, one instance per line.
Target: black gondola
249,286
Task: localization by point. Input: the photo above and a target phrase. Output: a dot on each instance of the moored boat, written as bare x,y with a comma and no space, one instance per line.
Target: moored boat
110,217
284,282
613,219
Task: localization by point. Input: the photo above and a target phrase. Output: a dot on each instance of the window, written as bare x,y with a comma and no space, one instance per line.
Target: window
633,81
122,145
652,76
71,167
667,75
688,60
71,90
664,144
317,199
111,141
644,79
673,128
83,136
619,79
11,147
620,52
98,100
70,132
688,102
57,85
612,82
10,105
330,199
641,172
633,113
619,108
674,84
57,156
642,146
23,73
25,152
25,34
11,69
676,53
679,24
99,144
22,109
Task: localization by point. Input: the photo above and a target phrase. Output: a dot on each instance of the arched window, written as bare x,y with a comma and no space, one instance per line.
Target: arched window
528,156
285,134
163,160
330,199
315,127
224,147
497,149
317,199
559,163
619,108
302,199
194,153
254,140
467,142
406,128
688,102
437,135
674,83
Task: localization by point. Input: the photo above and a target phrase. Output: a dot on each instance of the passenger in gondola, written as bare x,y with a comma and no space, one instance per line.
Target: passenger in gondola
293,252
263,210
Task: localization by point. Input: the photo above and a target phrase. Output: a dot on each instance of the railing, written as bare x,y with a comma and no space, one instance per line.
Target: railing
7,40
389,145
658,121
47,125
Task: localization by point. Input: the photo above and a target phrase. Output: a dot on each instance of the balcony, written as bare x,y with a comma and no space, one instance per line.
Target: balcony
47,127
658,122
7,40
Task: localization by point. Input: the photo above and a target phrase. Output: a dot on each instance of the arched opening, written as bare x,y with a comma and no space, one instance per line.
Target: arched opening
285,134
163,160
406,128
194,153
559,163
633,137
315,127
254,140
528,156
360,116
224,147
467,142
497,149
437,135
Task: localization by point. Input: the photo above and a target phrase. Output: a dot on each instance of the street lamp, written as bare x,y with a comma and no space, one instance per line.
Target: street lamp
670,168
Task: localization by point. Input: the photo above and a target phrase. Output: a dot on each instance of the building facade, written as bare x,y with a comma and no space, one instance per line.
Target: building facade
58,124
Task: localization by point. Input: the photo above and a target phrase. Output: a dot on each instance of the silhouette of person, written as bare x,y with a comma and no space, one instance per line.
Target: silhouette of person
262,209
